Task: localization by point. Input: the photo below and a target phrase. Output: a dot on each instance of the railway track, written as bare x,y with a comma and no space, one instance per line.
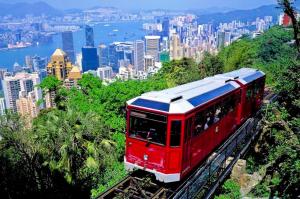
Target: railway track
203,181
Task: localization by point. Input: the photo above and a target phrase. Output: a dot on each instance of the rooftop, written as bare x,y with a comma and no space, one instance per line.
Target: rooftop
59,52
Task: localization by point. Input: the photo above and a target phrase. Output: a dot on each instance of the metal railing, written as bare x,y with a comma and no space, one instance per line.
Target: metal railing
207,178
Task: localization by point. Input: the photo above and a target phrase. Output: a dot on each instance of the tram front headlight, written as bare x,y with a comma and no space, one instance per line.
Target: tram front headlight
145,157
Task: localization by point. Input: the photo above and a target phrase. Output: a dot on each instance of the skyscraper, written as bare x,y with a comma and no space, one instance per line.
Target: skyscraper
2,106
139,55
152,46
149,62
68,45
104,73
39,63
120,52
175,47
27,105
90,60
13,85
3,71
60,65
89,36
103,55
28,61
221,39
165,27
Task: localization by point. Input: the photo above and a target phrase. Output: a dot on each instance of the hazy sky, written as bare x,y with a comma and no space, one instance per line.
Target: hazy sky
150,4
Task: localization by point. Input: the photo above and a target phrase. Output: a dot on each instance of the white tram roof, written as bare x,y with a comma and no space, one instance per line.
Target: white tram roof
184,98
243,75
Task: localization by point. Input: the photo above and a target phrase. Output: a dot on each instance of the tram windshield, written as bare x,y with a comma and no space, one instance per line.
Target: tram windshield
148,126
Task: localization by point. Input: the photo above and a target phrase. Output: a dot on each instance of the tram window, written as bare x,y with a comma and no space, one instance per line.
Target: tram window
210,117
200,121
256,88
148,126
218,112
249,92
231,103
175,133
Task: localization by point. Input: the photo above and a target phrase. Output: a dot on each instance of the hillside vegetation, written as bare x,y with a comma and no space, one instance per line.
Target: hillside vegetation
76,150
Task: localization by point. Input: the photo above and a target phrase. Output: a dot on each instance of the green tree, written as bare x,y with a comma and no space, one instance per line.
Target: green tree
230,190
210,65
177,72
240,53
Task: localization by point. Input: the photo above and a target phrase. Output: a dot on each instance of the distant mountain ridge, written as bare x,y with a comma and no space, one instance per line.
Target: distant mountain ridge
22,9
241,15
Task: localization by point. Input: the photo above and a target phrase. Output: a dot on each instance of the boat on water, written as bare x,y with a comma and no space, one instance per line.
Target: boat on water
115,30
106,25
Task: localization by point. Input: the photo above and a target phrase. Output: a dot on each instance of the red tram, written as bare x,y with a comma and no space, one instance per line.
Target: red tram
170,132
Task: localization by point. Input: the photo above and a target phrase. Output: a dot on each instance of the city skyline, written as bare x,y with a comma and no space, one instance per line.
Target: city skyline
154,4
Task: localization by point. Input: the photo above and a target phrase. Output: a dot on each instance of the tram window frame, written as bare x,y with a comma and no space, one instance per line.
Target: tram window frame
249,92
220,115
199,116
160,134
188,129
177,134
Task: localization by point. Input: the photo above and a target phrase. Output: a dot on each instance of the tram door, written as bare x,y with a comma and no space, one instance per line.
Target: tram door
186,156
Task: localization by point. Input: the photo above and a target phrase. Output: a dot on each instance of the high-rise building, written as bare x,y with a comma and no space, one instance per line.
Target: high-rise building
120,52
139,55
227,38
103,55
165,27
17,67
89,36
2,106
90,60
175,47
68,45
3,71
73,78
79,60
104,73
28,61
152,46
27,105
39,63
18,37
221,39
13,85
60,65
165,44
149,62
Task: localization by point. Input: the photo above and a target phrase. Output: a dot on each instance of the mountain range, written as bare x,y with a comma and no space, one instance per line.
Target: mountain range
242,15
23,9
213,15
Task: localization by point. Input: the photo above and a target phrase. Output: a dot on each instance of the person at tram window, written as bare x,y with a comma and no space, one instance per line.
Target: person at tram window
210,118
199,128
217,114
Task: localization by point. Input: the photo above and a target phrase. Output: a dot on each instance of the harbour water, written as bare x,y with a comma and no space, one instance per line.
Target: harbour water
103,33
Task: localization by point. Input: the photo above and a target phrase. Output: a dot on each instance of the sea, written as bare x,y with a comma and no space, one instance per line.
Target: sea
104,33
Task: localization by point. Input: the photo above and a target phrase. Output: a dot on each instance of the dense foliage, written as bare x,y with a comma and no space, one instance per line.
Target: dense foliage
277,154
230,190
76,150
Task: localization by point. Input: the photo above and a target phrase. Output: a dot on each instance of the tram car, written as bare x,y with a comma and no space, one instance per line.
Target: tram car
171,132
